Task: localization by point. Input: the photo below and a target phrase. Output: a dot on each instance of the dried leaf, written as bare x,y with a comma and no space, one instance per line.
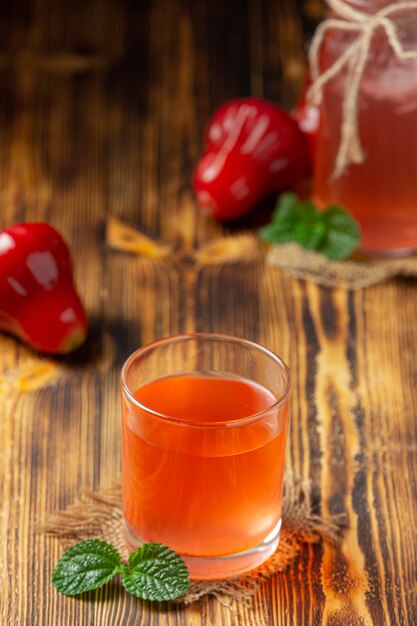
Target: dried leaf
33,375
126,239
239,248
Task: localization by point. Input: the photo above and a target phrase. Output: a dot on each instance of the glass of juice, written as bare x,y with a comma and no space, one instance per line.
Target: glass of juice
204,420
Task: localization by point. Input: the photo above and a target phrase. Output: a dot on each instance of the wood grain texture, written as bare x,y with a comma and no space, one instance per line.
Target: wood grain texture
102,111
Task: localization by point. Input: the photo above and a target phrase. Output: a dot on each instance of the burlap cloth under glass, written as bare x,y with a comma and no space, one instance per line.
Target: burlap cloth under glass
99,514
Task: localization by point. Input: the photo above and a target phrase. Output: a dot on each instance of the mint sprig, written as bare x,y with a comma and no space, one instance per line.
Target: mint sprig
87,565
153,572
333,232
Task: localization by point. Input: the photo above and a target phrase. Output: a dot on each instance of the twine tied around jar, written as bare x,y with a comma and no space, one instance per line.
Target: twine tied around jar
354,57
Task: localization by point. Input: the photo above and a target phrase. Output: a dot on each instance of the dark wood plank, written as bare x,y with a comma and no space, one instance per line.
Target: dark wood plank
102,111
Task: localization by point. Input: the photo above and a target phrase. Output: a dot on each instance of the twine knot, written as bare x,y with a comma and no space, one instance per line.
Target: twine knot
354,57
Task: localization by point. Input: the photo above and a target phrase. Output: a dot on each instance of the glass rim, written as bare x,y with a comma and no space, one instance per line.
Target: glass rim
210,337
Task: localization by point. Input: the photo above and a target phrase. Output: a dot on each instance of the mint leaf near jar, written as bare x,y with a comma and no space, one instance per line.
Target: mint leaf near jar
343,233
333,232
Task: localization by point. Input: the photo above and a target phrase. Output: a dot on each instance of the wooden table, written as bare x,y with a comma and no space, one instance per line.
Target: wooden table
102,111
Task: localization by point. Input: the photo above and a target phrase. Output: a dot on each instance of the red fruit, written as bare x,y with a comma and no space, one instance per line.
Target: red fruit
253,148
38,300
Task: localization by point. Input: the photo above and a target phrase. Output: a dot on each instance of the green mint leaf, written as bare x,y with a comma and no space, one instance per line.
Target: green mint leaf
306,212
155,572
310,234
87,565
283,220
343,233
286,206
332,232
277,232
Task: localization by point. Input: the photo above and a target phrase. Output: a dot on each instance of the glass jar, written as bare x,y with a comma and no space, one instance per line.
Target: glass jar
381,192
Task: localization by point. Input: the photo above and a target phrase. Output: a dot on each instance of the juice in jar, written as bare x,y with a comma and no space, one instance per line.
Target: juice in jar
206,484
382,191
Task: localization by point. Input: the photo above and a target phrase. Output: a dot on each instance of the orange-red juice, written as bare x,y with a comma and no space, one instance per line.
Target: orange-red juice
204,490
381,192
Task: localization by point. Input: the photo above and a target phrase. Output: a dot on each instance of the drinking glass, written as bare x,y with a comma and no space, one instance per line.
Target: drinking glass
204,420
